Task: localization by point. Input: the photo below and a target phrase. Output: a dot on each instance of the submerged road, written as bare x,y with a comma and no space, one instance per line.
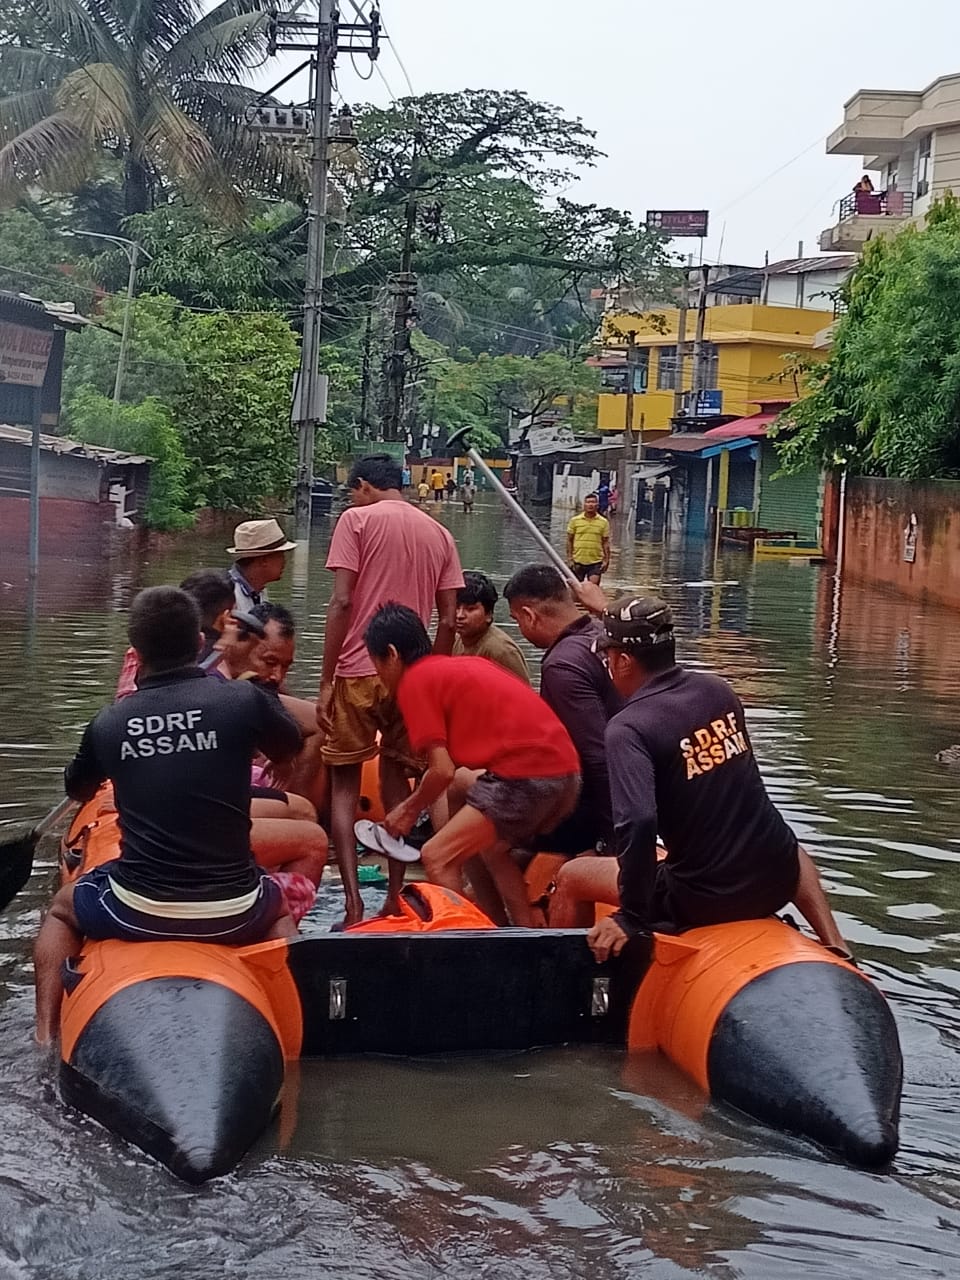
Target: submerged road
560,1164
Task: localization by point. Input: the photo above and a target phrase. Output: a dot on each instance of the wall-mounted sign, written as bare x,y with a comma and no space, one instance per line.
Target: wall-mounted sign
614,378
24,354
679,222
550,439
703,404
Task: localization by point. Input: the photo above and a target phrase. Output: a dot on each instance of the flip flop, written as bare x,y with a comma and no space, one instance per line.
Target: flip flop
366,833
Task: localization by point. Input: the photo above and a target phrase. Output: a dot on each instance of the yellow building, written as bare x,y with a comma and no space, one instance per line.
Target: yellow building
743,355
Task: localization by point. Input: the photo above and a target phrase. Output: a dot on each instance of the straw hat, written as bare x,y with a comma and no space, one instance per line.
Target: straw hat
259,538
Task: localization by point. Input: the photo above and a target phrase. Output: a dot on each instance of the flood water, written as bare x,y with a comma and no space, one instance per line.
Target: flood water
558,1164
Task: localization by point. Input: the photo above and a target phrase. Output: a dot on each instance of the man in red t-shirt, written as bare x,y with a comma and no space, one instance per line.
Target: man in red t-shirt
485,730
383,548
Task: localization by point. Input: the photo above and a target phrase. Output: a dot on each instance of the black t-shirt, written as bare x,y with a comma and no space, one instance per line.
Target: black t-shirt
681,763
575,684
178,752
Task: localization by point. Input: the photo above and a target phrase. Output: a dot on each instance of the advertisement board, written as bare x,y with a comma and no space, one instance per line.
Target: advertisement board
679,222
24,354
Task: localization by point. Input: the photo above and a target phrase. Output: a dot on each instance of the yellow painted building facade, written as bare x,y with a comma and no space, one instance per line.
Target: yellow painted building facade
747,342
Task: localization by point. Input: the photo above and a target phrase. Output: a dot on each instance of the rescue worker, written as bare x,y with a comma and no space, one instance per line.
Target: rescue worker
681,763
178,752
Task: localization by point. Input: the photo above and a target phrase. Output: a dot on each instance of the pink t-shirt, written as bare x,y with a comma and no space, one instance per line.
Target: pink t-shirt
399,554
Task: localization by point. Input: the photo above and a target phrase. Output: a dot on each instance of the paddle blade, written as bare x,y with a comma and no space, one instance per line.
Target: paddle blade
16,863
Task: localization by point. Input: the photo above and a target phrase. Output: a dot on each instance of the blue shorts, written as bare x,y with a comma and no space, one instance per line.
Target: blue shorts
100,914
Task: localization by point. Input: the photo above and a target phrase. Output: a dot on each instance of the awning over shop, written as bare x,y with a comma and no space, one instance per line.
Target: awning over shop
690,444
755,425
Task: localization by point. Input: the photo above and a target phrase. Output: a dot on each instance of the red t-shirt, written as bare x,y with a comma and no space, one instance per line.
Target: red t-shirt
485,717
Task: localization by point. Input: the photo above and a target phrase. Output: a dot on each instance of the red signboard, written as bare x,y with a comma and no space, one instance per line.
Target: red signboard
679,222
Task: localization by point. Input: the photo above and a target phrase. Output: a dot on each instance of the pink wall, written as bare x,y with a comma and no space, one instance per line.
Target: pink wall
877,515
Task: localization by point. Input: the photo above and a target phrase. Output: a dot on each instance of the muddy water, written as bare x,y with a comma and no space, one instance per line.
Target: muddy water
559,1164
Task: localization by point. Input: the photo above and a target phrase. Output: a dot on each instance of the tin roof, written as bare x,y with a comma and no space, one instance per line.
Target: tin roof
73,448
802,266
28,308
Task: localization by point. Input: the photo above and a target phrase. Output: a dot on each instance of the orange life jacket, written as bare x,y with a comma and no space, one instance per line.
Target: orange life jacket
428,908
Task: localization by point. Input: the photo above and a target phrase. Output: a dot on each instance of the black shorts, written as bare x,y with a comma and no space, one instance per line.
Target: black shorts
100,914
583,571
675,907
574,835
521,808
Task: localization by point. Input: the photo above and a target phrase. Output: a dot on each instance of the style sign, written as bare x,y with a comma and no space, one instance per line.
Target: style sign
679,222
24,354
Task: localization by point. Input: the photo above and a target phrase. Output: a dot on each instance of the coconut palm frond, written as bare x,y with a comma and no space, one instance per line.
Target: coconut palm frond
78,25
52,149
97,98
24,70
232,44
20,111
184,151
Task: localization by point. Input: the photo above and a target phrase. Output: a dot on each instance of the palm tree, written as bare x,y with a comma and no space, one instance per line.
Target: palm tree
152,82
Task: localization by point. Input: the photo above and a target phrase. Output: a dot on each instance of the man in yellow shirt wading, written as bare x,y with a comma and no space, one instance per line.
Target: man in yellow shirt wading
588,542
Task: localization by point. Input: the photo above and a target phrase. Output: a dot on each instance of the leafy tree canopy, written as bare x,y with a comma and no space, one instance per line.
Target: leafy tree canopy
887,401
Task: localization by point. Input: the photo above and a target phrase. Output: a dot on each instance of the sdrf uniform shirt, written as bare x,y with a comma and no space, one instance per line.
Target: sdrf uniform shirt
178,752
681,762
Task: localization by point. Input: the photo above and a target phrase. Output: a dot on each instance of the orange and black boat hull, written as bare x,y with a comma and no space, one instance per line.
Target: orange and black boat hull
180,1047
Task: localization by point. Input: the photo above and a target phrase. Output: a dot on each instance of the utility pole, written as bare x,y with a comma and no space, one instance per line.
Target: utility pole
403,290
365,376
323,38
698,340
631,389
682,337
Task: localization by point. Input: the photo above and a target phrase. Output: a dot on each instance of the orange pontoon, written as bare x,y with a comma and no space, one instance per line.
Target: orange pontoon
180,1047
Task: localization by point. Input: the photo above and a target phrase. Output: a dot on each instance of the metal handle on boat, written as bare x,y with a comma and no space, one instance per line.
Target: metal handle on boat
600,1000
338,999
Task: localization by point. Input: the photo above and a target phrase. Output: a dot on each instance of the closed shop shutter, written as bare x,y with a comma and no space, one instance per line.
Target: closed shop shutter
789,502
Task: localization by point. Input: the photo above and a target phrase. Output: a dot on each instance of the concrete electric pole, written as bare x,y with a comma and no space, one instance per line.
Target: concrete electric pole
323,37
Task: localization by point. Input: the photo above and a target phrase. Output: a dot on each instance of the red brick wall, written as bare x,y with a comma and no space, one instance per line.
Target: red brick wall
877,514
67,528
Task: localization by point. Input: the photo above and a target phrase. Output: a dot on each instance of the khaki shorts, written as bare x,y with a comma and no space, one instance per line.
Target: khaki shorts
362,708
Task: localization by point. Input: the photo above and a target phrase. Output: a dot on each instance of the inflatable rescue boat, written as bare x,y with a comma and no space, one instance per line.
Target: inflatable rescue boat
181,1048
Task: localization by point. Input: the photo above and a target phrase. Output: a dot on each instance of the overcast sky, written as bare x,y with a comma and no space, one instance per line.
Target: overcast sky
718,104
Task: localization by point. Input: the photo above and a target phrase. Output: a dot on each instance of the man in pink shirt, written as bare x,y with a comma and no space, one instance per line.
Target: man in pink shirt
383,549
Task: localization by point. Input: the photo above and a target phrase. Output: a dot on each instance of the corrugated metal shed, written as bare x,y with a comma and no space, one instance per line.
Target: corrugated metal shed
72,448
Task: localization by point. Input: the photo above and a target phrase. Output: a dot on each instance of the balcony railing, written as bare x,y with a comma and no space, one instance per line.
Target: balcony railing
877,204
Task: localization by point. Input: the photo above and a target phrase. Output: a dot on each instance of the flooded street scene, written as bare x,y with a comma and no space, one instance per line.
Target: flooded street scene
479,662
558,1162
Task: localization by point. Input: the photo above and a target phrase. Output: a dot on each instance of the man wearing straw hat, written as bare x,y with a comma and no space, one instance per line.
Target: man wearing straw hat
260,550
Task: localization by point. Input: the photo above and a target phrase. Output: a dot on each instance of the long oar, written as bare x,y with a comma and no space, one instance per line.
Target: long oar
17,850
460,437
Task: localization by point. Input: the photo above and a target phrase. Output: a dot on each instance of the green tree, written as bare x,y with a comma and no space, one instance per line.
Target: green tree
34,259
155,362
153,84
887,401
500,390
147,428
233,413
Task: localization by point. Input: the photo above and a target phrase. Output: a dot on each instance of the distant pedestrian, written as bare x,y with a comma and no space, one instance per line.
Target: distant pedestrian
603,497
468,492
451,486
436,484
423,492
588,542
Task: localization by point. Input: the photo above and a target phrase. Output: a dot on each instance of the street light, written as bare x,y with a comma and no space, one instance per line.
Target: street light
133,250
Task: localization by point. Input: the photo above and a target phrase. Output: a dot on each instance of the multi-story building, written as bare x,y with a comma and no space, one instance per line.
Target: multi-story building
911,139
741,362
